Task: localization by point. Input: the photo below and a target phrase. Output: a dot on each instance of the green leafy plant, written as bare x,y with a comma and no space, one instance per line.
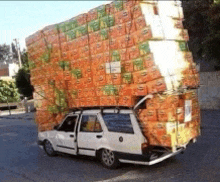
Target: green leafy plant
8,92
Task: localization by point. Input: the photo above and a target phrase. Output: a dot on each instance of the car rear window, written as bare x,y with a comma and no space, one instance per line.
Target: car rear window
118,122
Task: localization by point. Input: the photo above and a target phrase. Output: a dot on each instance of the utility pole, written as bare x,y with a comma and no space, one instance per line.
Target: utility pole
18,50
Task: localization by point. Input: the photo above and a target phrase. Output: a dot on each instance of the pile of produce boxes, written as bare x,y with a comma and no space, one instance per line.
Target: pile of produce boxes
111,56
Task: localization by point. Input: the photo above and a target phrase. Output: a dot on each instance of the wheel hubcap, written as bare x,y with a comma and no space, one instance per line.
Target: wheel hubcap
108,157
48,147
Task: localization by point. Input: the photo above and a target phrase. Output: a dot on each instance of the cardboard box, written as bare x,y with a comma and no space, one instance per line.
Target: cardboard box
127,78
125,89
133,52
148,60
142,77
114,79
139,89
138,64
140,23
113,44
109,8
94,37
124,54
122,16
157,85
107,21
148,115
126,101
108,101
125,41
104,33
130,27
142,35
127,66
136,11
92,15
167,115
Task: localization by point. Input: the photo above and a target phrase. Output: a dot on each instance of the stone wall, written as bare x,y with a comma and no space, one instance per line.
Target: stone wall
209,91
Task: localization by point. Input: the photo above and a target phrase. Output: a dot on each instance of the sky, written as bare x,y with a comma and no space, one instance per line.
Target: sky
19,19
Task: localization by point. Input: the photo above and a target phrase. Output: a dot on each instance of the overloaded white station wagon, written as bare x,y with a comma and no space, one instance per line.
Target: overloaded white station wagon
111,135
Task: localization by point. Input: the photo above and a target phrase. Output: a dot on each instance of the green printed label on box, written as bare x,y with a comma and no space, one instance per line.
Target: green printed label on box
77,73
115,56
107,21
138,64
118,5
110,90
82,30
182,46
93,26
64,65
104,34
101,11
71,34
127,77
144,48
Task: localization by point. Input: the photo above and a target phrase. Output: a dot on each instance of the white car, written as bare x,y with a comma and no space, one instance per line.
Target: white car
112,135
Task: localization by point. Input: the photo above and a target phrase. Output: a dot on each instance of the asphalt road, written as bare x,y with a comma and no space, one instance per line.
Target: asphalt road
22,160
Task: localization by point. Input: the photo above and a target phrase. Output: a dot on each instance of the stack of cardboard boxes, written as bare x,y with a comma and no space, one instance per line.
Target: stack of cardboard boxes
109,57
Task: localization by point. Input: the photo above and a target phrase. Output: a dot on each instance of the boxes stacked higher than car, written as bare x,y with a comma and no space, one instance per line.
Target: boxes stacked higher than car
112,56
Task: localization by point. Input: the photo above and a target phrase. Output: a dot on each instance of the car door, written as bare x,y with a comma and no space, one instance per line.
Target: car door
123,134
89,134
66,135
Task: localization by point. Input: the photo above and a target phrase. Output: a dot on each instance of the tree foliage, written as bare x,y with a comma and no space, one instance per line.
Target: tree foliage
22,78
202,19
8,92
5,53
14,51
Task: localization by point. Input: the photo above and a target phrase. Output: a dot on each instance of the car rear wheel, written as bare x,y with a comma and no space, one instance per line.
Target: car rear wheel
49,148
108,159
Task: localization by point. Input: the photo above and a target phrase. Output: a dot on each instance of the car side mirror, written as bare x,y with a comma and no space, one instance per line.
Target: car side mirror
56,127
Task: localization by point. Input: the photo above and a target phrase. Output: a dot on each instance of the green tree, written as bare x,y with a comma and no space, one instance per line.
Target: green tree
5,53
22,78
202,19
8,92
211,42
14,51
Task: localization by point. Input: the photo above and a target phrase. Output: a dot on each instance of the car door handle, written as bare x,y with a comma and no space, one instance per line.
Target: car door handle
98,136
71,136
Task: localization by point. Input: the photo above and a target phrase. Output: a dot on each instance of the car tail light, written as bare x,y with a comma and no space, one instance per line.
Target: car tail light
144,148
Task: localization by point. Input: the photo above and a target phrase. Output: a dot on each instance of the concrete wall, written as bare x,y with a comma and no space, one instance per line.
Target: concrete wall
209,91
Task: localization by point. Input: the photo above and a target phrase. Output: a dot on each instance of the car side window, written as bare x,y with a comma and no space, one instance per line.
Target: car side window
69,124
118,122
90,123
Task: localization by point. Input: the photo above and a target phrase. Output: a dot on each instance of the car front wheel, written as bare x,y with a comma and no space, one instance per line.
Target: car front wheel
109,159
49,148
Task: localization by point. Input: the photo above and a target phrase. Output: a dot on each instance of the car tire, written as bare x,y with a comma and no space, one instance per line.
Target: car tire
109,159
48,147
